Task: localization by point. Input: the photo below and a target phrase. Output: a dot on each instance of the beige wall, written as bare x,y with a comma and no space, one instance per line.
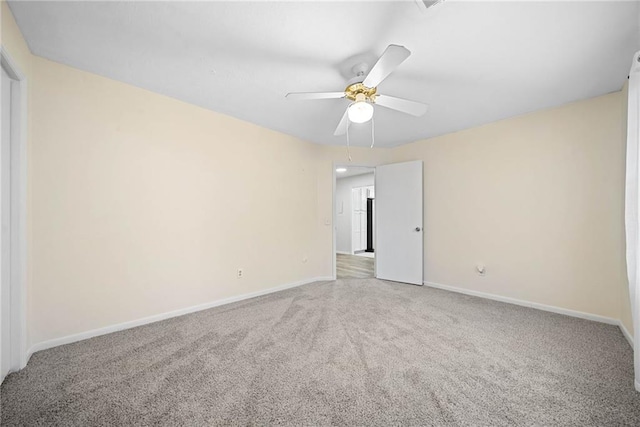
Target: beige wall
143,204
140,204
538,199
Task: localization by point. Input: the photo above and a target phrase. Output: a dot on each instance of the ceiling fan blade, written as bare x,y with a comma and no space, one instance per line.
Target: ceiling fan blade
410,107
303,96
342,126
393,56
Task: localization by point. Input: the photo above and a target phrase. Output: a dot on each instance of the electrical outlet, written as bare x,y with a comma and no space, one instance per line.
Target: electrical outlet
240,272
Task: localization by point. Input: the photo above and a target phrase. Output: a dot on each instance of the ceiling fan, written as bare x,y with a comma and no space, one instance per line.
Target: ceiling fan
363,91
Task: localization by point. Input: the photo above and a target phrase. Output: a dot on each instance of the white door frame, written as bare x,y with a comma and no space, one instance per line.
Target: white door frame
334,216
18,252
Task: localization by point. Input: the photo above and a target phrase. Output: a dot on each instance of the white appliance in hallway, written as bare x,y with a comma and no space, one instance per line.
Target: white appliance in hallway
399,236
359,198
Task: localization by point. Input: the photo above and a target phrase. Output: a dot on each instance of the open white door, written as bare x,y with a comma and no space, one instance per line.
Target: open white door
399,222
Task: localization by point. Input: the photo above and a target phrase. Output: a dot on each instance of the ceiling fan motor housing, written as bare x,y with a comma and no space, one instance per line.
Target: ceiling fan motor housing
358,92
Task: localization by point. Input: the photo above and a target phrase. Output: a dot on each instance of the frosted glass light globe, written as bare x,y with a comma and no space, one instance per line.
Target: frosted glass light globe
360,112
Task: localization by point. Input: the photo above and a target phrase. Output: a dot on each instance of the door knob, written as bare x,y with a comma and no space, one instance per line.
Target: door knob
418,228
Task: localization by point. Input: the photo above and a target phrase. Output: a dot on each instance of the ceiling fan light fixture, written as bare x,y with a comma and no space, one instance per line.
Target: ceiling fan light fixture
363,91
360,112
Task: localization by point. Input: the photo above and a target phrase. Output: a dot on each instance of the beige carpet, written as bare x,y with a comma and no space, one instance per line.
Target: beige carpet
357,352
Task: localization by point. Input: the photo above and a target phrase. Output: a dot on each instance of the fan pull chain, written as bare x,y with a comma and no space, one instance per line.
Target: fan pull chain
373,140
373,137
348,150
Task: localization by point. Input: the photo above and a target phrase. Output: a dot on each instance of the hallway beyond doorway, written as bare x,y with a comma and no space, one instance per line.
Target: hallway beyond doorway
354,266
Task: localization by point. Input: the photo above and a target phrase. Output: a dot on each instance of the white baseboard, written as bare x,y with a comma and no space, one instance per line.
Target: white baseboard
180,312
162,316
523,303
637,385
344,253
626,333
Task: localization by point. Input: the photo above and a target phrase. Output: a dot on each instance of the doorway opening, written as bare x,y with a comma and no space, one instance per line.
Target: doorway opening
354,202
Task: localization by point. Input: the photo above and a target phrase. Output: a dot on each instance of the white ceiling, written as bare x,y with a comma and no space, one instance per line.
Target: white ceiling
473,62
